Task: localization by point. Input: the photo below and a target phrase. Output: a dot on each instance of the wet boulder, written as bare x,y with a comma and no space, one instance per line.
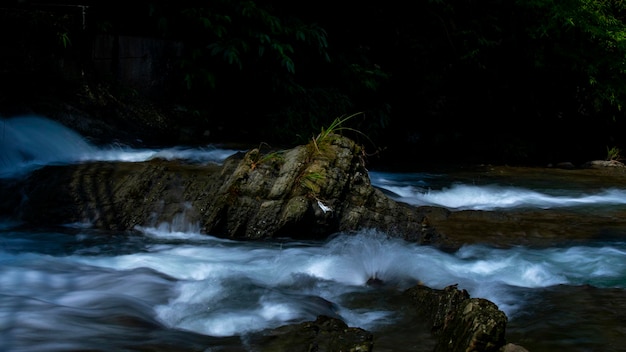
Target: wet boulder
309,191
461,323
323,334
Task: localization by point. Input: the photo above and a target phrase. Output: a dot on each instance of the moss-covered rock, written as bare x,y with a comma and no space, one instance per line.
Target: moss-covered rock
322,335
459,322
302,192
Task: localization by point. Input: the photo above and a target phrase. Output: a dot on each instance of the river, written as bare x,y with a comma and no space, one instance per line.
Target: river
169,287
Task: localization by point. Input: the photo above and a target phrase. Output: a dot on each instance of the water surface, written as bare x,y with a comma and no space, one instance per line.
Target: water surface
171,287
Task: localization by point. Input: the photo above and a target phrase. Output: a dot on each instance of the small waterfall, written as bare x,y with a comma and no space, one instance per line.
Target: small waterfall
28,142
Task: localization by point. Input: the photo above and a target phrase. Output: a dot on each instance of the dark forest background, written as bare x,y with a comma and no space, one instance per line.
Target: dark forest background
516,82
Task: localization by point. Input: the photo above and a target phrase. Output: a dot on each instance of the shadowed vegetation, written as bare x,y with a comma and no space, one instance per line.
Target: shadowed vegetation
499,81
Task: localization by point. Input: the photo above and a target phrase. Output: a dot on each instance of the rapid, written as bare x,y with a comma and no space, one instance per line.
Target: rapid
73,287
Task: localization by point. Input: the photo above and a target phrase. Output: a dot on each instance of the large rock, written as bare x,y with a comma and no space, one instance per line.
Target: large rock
310,191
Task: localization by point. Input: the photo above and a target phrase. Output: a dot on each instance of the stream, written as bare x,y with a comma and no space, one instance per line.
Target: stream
170,287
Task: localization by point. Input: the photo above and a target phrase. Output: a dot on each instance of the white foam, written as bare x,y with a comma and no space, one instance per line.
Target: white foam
491,197
222,287
30,142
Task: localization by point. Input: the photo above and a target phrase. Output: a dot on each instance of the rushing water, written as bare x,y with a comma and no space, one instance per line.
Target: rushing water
76,288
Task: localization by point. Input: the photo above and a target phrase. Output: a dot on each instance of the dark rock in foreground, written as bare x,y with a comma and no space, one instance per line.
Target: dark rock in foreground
461,323
323,335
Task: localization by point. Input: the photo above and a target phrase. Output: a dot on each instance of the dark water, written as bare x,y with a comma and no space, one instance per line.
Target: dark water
582,306
171,288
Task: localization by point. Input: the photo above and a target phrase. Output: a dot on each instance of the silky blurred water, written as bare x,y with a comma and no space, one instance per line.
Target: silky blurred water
31,142
172,287
81,288
427,189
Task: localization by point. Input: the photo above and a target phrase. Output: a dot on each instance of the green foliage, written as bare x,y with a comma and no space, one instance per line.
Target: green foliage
64,39
336,126
277,70
613,154
245,35
587,37
257,158
275,60
310,182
